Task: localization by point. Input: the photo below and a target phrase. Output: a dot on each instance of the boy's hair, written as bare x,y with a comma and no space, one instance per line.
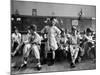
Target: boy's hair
88,30
15,28
52,18
33,27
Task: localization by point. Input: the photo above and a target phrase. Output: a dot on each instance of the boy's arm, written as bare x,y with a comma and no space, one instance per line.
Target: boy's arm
37,38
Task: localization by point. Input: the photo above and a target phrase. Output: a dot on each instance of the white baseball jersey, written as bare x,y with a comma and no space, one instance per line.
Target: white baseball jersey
27,38
35,47
16,37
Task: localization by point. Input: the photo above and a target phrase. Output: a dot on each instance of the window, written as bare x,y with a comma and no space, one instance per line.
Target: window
34,12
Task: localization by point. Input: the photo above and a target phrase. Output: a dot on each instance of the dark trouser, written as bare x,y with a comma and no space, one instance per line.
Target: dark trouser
42,53
14,46
51,57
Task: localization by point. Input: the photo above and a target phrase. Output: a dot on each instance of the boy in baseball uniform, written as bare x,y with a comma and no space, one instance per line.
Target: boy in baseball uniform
16,41
34,45
74,46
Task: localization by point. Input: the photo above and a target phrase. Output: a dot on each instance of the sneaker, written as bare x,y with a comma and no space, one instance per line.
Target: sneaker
72,65
39,67
50,63
23,65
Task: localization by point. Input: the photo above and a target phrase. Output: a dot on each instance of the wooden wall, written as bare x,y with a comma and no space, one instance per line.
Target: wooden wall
39,21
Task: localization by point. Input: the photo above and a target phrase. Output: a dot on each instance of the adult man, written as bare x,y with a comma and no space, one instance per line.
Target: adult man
16,41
